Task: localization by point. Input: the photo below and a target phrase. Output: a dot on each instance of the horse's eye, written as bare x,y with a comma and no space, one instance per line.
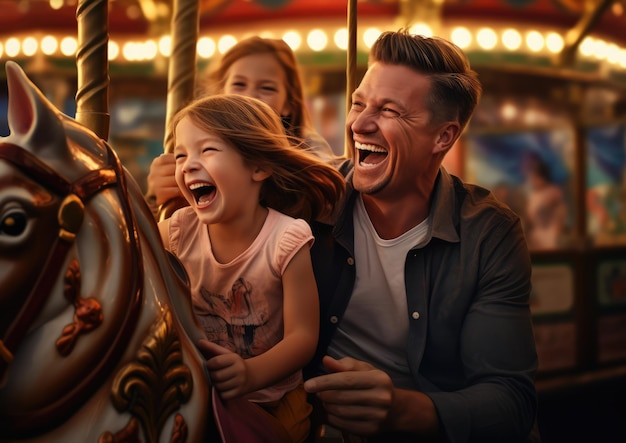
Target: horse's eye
13,223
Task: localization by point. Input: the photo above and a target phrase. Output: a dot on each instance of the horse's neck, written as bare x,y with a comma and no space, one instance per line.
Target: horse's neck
174,287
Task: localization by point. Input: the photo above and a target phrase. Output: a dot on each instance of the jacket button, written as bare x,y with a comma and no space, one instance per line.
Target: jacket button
334,319
350,261
415,315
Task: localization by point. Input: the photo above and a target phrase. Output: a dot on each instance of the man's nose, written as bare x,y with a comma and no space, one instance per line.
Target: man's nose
363,122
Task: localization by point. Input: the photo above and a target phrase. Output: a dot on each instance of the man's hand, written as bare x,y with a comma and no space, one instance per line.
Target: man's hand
161,180
228,371
356,396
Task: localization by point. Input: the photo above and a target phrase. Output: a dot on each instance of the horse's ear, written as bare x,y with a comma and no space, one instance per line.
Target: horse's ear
32,118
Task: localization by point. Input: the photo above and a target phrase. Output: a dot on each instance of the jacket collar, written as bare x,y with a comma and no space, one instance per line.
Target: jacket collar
443,212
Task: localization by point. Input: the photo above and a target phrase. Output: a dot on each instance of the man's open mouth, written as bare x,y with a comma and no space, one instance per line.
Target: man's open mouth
374,154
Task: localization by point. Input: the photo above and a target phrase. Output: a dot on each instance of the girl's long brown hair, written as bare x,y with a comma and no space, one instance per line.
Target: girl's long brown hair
300,184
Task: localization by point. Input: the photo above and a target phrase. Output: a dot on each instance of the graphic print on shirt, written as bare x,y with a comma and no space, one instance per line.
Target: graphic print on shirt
235,320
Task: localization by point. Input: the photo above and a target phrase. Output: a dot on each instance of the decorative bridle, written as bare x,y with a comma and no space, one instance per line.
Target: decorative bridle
74,196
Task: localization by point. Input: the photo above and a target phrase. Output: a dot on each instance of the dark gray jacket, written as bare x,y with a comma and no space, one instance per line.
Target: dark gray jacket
470,345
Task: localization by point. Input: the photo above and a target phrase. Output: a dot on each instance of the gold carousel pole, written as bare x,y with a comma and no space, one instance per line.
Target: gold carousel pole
182,64
351,64
92,95
181,75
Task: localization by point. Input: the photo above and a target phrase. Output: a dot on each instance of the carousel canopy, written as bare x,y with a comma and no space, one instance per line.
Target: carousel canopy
552,33
144,16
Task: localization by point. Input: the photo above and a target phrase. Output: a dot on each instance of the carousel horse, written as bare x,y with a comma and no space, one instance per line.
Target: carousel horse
97,331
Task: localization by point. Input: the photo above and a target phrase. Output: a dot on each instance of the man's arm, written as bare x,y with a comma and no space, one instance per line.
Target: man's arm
497,348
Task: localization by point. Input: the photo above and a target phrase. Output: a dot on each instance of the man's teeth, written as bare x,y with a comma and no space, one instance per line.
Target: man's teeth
370,148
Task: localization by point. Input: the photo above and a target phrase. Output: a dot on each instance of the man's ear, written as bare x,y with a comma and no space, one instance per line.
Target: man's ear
447,136
259,174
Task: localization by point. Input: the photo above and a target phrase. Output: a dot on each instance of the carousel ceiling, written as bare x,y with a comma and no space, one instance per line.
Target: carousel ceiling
139,16
144,16
566,22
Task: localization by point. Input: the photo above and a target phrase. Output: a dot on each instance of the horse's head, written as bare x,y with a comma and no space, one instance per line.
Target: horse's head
63,209
39,212
50,167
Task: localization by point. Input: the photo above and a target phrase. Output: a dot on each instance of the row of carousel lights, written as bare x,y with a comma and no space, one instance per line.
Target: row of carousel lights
533,41
143,50
484,39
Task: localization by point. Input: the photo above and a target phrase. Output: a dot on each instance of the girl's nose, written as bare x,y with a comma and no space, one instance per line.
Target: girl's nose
248,91
254,93
190,164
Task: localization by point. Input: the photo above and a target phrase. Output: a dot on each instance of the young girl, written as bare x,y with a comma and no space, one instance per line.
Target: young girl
257,67
267,69
249,265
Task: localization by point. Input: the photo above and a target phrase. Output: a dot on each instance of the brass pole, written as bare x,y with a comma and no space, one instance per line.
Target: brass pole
92,64
181,77
351,64
182,64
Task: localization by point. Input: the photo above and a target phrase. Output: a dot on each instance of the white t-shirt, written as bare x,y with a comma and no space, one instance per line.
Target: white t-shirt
375,326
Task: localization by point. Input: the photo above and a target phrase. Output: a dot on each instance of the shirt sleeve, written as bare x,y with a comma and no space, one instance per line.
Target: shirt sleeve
174,231
297,234
497,348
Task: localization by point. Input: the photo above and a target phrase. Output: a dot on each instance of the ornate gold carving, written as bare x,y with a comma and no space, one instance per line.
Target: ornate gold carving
87,314
157,383
128,434
180,431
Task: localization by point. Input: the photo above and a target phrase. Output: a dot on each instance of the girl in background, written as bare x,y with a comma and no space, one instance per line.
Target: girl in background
261,68
244,240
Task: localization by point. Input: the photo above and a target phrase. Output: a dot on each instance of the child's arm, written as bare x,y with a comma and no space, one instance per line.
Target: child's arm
234,376
162,185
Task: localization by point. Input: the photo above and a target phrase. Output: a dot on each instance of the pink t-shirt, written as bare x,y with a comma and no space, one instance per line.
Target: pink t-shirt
239,304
